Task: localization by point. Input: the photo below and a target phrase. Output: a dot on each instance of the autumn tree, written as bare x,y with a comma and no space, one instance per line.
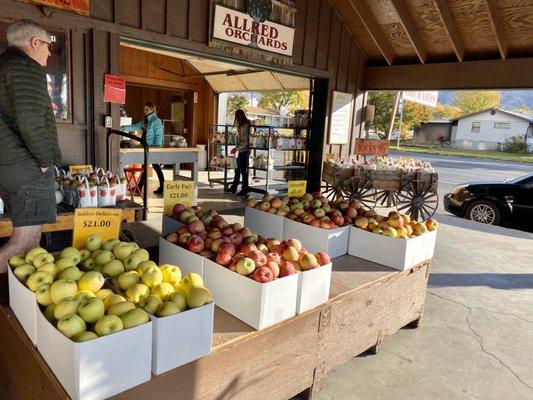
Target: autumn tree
524,110
445,111
235,102
470,101
290,100
414,115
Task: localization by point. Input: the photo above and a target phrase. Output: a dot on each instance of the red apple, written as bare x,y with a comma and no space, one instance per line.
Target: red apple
325,225
337,220
223,259
172,237
315,223
294,243
263,275
236,227
271,243
247,248
177,209
236,239
275,203
195,244
274,257
308,218
245,232
207,253
286,269
259,258
323,258
215,245
347,220
215,233
274,267
227,248
182,230
184,238
196,227
227,231
351,212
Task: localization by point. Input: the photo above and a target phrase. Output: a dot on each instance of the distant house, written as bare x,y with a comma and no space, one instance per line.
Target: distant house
436,131
488,129
271,117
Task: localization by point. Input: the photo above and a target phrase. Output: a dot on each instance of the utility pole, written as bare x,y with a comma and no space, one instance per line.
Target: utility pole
393,115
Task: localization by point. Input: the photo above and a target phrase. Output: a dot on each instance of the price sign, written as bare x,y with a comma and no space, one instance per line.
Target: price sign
80,169
89,221
371,147
177,192
297,188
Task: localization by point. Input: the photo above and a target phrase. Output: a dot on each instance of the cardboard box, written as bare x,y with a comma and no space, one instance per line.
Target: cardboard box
99,368
181,338
392,252
24,304
169,225
187,261
313,288
263,223
332,241
258,304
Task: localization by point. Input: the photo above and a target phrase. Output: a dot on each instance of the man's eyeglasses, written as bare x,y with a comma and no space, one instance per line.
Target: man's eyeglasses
49,44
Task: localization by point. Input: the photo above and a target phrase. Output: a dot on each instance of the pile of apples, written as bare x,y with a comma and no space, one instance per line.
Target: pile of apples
394,225
239,249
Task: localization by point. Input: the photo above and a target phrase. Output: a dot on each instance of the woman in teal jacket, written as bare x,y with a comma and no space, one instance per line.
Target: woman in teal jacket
152,131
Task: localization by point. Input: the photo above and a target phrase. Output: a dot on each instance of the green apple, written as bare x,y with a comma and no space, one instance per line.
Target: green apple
128,279
64,263
122,250
84,336
137,292
197,296
84,294
143,265
131,262
103,293
89,263
68,305
61,289
71,273
93,243
108,324
30,255
152,276
171,273
85,254
43,295
113,299
43,258
50,268
179,299
113,268
71,325
151,304
22,272
98,268
17,260
37,279
92,280
104,257
163,291
110,244
49,313
71,252
142,254
95,253
120,308
133,318
91,309
167,308
135,245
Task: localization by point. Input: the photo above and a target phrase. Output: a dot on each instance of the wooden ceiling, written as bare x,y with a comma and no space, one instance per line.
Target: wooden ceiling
414,32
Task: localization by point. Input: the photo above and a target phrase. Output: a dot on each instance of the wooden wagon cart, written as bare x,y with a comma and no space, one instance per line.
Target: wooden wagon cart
410,192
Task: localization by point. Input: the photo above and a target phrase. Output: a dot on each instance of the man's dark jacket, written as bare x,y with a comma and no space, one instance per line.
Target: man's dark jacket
27,125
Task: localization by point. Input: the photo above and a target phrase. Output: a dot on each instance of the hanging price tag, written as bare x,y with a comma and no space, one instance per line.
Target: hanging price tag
80,169
297,188
178,192
89,221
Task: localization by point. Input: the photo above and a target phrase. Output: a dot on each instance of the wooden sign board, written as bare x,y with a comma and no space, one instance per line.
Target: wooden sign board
366,147
75,6
114,89
176,192
80,169
297,188
341,116
104,222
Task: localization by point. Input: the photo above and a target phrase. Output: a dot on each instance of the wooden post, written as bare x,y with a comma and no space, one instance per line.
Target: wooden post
318,132
393,115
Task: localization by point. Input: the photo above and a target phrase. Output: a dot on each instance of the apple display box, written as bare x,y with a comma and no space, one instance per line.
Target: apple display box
313,288
332,241
169,225
187,261
259,305
99,368
181,338
395,253
24,305
263,223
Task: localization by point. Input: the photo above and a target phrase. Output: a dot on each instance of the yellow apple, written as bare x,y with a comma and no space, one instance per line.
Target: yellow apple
93,243
61,289
49,313
50,268
71,325
144,265
64,263
179,299
113,268
198,296
84,294
108,324
133,318
142,254
37,279
193,279
131,262
120,308
128,279
91,309
43,258
22,272
89,263
30,255
152,276
92,280
68,305
171,273
95,254
167,308
104,257
110,244
103,293
43,295
17,260
71,252
137,292
151,304
70,273
85,254
163,290
84,336
122,250
113,299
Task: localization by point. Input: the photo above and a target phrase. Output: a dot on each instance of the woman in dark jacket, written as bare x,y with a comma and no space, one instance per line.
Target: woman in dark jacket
243,135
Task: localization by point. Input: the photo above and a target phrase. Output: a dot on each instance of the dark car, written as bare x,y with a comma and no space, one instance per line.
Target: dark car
493,203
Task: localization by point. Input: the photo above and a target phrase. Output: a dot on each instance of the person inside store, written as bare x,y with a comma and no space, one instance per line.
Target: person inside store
29,147
152,131
242,139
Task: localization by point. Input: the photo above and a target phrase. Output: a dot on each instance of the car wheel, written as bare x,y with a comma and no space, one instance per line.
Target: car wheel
484,211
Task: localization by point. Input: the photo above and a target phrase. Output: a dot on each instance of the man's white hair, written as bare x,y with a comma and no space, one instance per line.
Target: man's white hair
21,32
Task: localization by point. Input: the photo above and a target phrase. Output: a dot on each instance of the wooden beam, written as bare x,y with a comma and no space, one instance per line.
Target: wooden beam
495,74
373,28
495,22
449,25
410,29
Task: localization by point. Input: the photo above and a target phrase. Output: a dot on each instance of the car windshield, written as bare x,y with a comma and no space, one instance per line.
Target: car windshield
521,179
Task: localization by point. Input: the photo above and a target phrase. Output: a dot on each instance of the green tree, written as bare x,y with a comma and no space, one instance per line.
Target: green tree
524,110
470,101
383,101
291,100
235,102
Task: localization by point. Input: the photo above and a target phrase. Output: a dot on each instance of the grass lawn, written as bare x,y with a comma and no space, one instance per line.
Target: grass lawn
487,155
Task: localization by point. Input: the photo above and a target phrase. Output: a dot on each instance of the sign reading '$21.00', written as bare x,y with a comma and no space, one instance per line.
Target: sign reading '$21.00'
178,192
104,222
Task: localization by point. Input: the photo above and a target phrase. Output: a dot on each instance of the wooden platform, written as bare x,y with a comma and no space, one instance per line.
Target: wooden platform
367,303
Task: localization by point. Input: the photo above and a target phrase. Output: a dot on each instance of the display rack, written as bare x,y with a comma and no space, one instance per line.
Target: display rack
298,157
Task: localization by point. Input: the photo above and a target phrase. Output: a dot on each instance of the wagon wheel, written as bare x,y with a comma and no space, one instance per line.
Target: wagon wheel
365,193
418,199
335,192
386,198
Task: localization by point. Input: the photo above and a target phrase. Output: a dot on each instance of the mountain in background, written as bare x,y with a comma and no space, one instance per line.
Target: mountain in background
511,99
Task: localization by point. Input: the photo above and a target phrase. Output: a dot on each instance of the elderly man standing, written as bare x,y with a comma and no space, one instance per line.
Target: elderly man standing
28,138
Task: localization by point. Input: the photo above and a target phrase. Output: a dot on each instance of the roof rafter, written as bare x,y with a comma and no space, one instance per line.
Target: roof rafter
373,28
410,28
496,24
449,25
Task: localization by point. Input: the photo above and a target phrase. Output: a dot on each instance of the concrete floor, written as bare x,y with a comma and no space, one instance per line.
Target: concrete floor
476,337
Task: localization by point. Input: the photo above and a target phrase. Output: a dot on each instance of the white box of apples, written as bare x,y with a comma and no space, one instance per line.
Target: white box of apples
169,225
24,305
187,261
264,223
